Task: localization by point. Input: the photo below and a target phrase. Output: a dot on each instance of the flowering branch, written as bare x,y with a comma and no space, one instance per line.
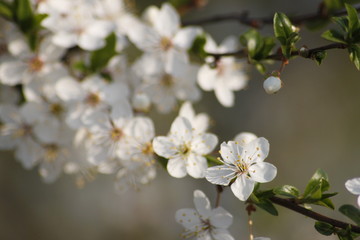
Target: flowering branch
259,22
288,203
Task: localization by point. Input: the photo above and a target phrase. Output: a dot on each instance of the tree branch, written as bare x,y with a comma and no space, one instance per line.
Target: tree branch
259,22
308,53
314,215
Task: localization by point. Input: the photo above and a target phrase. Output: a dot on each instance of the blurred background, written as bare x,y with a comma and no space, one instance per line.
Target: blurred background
313,122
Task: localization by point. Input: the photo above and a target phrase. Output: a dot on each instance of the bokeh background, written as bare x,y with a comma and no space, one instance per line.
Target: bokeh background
313,122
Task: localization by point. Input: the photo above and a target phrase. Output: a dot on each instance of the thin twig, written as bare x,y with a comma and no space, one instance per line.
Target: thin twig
287,203
259,22
219,190
242,53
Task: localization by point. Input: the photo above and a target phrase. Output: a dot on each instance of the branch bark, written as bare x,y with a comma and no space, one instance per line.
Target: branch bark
259,22
314,215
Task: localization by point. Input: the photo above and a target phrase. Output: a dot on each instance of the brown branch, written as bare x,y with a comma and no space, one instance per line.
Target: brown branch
308,53
219,190
259,22
287,203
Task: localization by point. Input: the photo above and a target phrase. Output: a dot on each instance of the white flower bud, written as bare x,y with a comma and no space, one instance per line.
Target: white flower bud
272,85
141,102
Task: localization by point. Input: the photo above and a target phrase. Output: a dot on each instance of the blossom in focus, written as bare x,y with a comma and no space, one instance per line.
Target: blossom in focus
200,121
245,164
203,222
185,149
353,186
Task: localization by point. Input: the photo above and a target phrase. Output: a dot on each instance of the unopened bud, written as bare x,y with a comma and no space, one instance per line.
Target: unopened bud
272,85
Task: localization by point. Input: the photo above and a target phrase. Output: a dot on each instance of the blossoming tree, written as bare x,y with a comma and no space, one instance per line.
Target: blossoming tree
72,103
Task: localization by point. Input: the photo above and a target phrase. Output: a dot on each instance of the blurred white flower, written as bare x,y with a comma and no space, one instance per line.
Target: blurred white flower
353,186
228,75
200,121
185,149
246,164
203,222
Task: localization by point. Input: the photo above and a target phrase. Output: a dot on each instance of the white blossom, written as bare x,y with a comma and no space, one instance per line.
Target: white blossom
203,222
245,164
185,148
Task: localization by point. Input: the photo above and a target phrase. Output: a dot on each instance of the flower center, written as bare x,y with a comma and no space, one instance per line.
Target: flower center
147,149
51,153
56,109
167,81
93,99
165,44
35,64
24,130
116,134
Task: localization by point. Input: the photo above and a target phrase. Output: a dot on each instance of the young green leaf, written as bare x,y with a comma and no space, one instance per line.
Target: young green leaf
354,54
23,15
352,17
324,228
282,26
198,46
334,36
319,56
6,10
101,57
317,184
266,205
351,212
287,191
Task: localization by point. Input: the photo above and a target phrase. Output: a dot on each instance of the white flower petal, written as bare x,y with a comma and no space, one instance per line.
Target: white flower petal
204,143
242,187
164,147
262,172
221,218
141,128
201,122
257,150
12,73
90,42
176,167
206,77
64,39
202,204
196,165
69,89
220,175
185,37
168,22
353,186
187,217
182,129
221,234
225,96
229,151
244,138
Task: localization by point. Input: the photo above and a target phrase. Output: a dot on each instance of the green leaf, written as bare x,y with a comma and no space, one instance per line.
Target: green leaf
266,205
325,203
212,161
343,22
287,191
6,10
23,15
324,228
354,54
332,5
100,58
319,56
334,36
257,46
198,46
351,212
163,161
317,184
282,25
180,3
353,18
260,67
